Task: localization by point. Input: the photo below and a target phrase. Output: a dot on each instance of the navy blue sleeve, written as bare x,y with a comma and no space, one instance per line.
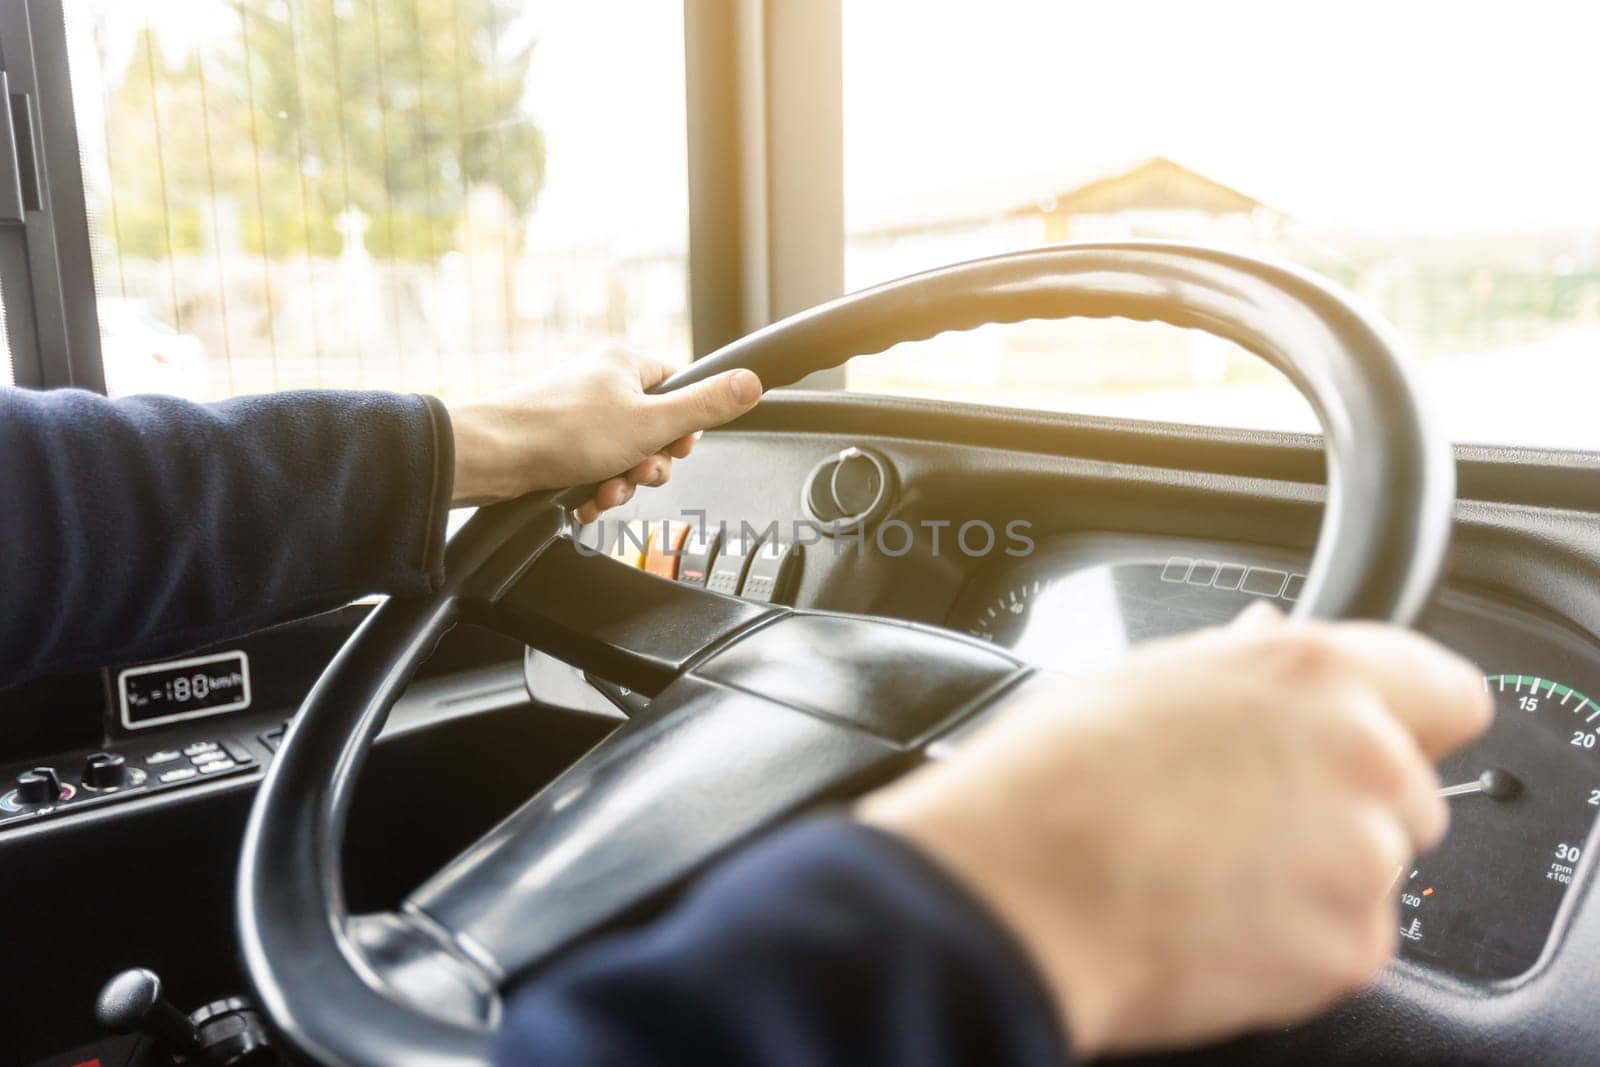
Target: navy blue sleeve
826,944
148,525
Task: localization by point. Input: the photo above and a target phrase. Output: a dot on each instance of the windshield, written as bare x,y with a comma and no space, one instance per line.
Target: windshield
1438,159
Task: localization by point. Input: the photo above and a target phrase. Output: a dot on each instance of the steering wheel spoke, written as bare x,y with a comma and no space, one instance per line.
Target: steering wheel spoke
704,769
614,621
807,709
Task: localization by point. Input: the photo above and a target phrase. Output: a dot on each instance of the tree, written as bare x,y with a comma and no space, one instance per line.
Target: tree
395,108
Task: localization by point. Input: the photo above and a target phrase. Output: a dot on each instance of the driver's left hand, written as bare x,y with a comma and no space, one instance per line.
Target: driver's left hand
586,421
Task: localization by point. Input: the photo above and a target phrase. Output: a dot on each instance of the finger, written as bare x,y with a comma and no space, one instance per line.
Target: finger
608,494
704,404
681,448
1259,615
1435,694
1385,756
611,493
1380,851
652,472
1424,813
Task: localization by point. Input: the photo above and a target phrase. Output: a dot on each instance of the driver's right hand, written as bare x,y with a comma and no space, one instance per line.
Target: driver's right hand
1206,836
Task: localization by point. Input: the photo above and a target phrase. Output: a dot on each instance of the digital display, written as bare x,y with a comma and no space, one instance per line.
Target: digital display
184,689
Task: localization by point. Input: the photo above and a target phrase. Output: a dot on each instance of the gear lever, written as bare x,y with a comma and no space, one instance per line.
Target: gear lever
131,1002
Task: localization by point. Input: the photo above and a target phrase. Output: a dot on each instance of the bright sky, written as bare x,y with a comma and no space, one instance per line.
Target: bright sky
1406,114
606,88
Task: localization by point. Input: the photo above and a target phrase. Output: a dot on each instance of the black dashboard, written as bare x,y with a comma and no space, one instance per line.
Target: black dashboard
1482,907
1137,532
1131,532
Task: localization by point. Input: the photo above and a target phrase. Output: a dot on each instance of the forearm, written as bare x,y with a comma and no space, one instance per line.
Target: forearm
826,943
139,527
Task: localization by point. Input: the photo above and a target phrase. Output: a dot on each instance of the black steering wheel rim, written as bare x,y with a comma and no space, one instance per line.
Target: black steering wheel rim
335,987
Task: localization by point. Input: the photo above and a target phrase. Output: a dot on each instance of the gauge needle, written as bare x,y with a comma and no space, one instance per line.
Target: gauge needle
1494,783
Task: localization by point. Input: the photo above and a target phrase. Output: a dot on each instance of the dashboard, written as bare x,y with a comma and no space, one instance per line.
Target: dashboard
1137,532
1140,533
1484,904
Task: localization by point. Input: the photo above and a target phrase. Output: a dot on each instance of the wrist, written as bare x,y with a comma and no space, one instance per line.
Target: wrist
479,457
947,821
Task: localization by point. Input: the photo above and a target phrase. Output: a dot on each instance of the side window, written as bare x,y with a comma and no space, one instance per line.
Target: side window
429,195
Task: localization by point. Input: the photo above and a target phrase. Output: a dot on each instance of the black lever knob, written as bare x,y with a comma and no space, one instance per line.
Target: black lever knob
39,786
105,770
131,1002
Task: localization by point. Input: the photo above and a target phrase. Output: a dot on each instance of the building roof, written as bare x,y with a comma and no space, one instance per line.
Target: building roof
1153,184
1157,184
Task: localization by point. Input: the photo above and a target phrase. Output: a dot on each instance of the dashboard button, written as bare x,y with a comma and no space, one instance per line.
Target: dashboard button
772,572
199,747
727,570
178,774
216,765
166,755
631,540
699,552
666,545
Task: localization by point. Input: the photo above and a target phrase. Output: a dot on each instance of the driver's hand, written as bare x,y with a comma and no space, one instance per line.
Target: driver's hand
589,420
1205,837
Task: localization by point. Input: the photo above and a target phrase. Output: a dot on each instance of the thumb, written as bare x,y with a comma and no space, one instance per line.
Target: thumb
716,400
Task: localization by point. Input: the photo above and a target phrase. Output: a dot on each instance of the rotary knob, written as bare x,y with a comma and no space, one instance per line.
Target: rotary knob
105,770
39,786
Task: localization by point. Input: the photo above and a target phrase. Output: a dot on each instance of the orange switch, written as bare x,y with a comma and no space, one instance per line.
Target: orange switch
666,547
631,541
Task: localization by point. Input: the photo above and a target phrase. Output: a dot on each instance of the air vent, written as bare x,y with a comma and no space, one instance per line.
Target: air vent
849,490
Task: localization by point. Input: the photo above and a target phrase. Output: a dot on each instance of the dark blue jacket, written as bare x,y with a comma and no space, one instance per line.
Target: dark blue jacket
141,527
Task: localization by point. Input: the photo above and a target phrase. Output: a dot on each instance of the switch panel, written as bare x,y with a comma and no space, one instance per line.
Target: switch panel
77,781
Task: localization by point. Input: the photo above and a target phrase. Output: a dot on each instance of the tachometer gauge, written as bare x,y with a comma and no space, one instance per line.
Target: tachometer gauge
1523,798
1522,802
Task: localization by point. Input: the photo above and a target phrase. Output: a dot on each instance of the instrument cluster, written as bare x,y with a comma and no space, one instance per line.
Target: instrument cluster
1485,904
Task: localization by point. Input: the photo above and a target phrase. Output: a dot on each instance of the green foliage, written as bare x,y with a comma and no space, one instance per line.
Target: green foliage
395,108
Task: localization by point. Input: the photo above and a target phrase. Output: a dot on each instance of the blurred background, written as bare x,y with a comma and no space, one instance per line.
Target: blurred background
445,195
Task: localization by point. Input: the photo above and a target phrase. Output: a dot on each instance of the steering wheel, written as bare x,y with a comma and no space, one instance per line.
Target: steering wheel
758,711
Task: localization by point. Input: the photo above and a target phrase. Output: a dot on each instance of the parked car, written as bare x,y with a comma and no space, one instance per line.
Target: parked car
144,353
